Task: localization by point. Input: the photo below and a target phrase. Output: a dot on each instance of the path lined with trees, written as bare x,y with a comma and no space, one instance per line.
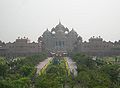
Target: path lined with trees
55,76
42,64
91,73
72,66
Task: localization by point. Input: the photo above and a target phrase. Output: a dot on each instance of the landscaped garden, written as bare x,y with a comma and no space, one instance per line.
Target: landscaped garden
20,72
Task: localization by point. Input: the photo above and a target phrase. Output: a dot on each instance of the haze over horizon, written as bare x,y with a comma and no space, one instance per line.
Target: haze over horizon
30,18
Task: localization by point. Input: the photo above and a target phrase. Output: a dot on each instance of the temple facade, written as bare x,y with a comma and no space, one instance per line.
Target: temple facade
60,39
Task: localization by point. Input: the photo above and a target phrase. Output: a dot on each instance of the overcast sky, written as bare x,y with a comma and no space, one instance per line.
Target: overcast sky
31,18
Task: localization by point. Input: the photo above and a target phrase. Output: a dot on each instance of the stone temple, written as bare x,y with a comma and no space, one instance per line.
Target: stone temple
60,39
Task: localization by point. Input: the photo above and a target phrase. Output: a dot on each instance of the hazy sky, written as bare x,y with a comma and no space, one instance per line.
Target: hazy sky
31,18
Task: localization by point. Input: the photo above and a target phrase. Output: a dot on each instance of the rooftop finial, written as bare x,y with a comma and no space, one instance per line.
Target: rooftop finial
59,21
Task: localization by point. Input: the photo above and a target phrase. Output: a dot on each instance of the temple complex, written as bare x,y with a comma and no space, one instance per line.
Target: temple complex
61,40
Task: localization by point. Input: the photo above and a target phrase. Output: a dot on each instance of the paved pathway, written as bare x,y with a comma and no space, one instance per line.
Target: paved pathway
72,66
42,64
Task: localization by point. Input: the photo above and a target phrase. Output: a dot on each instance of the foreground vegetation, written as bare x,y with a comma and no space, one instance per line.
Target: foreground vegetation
92,73
54,77
19,72
96,73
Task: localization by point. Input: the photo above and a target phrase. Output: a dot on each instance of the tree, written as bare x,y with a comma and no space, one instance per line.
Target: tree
5,84
26,70
21,83
113,71
3,68
84,60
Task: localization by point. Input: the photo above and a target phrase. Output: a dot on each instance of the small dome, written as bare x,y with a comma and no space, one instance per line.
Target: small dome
47,32
40,38
73,32
79,38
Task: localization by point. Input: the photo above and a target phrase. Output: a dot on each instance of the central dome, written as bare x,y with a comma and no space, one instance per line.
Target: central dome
59,28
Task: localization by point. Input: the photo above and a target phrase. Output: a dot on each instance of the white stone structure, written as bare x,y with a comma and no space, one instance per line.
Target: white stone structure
59,39
62,40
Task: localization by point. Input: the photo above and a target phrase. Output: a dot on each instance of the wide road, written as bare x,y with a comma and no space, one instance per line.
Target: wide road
42,64
72,66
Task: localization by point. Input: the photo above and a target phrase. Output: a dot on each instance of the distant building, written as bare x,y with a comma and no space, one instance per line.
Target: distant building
59,39
62,40
21,47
